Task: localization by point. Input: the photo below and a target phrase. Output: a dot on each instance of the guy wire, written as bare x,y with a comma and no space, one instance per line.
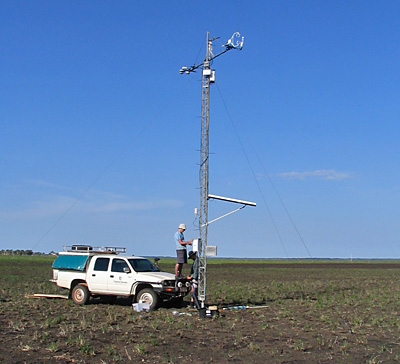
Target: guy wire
254,175
103,172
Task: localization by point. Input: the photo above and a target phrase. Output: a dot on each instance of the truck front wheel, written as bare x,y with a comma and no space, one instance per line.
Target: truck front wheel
80,294
147,295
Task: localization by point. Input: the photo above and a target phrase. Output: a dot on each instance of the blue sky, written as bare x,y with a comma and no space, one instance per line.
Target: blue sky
100,134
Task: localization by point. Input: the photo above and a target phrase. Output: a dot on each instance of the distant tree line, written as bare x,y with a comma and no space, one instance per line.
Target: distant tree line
19,252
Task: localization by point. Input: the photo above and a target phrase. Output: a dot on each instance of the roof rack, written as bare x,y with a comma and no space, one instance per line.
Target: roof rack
94,249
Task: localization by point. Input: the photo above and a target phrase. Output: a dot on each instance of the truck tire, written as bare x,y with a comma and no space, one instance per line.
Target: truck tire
80,294
147,295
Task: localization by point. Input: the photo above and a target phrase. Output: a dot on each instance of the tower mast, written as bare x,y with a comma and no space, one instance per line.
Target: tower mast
204,158
208,77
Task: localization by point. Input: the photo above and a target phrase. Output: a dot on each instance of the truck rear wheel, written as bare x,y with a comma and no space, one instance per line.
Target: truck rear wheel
80,294
147,295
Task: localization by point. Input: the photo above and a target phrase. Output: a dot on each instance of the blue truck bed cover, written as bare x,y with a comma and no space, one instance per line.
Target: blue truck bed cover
71,262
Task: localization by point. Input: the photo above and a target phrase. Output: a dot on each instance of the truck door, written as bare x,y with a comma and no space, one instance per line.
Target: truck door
98,277
120,277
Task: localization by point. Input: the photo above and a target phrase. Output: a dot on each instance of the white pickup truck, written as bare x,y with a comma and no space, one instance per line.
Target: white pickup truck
87,271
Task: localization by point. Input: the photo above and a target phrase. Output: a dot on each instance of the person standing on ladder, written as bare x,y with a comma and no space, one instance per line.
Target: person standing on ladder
180,250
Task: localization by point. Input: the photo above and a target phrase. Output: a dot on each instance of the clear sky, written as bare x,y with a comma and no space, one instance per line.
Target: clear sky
100,134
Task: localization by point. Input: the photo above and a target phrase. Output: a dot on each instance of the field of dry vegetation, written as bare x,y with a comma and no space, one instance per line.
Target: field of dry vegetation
317,312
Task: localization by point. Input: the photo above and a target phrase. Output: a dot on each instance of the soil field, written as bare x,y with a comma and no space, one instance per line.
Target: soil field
316,313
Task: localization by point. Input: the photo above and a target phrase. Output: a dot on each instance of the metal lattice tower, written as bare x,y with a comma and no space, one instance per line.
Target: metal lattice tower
207,79
204,158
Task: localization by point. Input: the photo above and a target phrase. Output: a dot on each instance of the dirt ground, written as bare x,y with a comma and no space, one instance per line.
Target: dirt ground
316,313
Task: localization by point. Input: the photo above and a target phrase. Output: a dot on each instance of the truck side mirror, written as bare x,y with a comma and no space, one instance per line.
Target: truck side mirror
127,270
156,260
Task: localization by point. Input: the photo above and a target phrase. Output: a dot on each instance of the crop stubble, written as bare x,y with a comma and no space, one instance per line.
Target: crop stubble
317,313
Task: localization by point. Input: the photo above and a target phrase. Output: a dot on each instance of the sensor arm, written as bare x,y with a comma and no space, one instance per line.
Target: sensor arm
234,200
229,213
233,43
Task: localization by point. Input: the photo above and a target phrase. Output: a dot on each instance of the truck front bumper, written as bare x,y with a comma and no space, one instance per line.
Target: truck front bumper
174,289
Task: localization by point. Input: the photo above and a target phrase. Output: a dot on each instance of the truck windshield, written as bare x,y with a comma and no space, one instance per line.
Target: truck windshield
142,265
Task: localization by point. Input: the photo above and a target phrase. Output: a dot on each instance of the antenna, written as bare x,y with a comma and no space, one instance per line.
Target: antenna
208,77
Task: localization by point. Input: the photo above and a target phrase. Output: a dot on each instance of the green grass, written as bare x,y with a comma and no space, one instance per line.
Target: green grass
216,260
326,313
171,260
25,259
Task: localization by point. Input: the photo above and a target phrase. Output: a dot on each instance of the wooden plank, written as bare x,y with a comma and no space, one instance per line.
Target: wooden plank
48,295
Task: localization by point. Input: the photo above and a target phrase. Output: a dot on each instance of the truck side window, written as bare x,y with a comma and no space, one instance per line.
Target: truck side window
101,264
118,265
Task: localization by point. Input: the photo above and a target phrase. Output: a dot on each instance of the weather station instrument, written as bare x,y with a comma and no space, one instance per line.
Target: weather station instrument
208,77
